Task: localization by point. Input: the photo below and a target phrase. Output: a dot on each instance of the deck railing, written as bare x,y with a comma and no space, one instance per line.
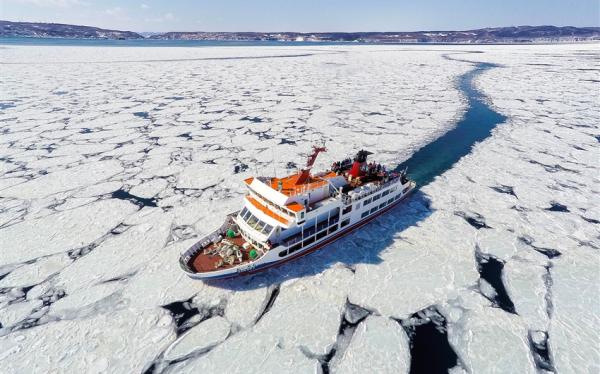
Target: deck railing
213,237
347,199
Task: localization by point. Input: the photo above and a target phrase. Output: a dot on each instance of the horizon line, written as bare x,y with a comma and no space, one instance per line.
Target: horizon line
305,32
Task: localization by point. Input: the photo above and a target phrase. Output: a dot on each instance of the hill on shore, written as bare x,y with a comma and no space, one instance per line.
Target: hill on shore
59,30
516,34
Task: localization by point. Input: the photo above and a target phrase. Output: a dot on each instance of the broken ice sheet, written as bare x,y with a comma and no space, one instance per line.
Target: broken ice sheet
62,231
378,345
64,155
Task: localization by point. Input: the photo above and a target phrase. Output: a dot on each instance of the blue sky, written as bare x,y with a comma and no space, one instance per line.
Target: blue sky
304,15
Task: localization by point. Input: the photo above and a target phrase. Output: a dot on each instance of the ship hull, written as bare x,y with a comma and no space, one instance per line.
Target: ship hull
272,259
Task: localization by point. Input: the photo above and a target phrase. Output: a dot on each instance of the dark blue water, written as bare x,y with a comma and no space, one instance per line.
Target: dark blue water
476,125
156,43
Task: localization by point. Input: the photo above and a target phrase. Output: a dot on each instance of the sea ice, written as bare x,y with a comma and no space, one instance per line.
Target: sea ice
61,232
199,338
114,160
574,319
492,341
378,345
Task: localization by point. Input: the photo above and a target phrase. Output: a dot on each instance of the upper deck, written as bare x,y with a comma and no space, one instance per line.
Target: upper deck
292,185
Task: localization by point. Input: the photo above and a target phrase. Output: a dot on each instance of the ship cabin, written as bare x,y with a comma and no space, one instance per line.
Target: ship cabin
274,206
286,211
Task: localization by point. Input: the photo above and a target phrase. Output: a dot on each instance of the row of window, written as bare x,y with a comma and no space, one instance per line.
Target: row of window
375,197
308,241
252,241
300,241
255,223
310,230
382,205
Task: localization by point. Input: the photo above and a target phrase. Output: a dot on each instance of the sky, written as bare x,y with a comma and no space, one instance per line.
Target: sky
304,15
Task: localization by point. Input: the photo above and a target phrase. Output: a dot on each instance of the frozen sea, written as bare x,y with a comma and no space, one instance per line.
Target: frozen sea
114,160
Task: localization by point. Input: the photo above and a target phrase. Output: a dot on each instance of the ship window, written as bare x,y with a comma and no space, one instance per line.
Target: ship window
293,239
322,225
309,240
246,214
345,222
332,229
368,201
390,200
364,214
381,205
405,189
295,248
375,197
309,231
398,196
373,210
321,235
385,193
283,253
260,225
267,229
252,220
347,209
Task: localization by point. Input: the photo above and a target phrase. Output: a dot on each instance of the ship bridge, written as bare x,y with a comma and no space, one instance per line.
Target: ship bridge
285,201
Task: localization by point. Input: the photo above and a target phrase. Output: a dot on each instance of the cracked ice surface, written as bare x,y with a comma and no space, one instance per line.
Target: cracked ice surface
379,345
492,341
118,341
114,160
574,324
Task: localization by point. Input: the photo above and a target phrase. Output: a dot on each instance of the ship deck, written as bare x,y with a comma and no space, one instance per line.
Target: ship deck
202,263
290,186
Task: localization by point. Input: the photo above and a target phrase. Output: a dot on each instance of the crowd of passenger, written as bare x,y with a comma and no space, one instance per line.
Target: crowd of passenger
340,166
372,168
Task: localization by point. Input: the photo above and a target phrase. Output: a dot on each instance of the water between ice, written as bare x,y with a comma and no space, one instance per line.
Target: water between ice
475,125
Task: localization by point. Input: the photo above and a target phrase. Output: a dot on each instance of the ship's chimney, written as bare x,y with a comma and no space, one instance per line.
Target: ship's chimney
359,160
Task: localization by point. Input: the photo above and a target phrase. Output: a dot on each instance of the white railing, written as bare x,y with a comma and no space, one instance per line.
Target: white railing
213,237
347,199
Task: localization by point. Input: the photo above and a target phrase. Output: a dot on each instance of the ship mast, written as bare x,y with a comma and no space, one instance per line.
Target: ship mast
305,173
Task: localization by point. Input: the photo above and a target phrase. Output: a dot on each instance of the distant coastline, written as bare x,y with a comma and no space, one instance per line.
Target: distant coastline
497,35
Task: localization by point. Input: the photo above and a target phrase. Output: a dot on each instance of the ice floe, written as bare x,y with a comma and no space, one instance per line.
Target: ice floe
378,345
